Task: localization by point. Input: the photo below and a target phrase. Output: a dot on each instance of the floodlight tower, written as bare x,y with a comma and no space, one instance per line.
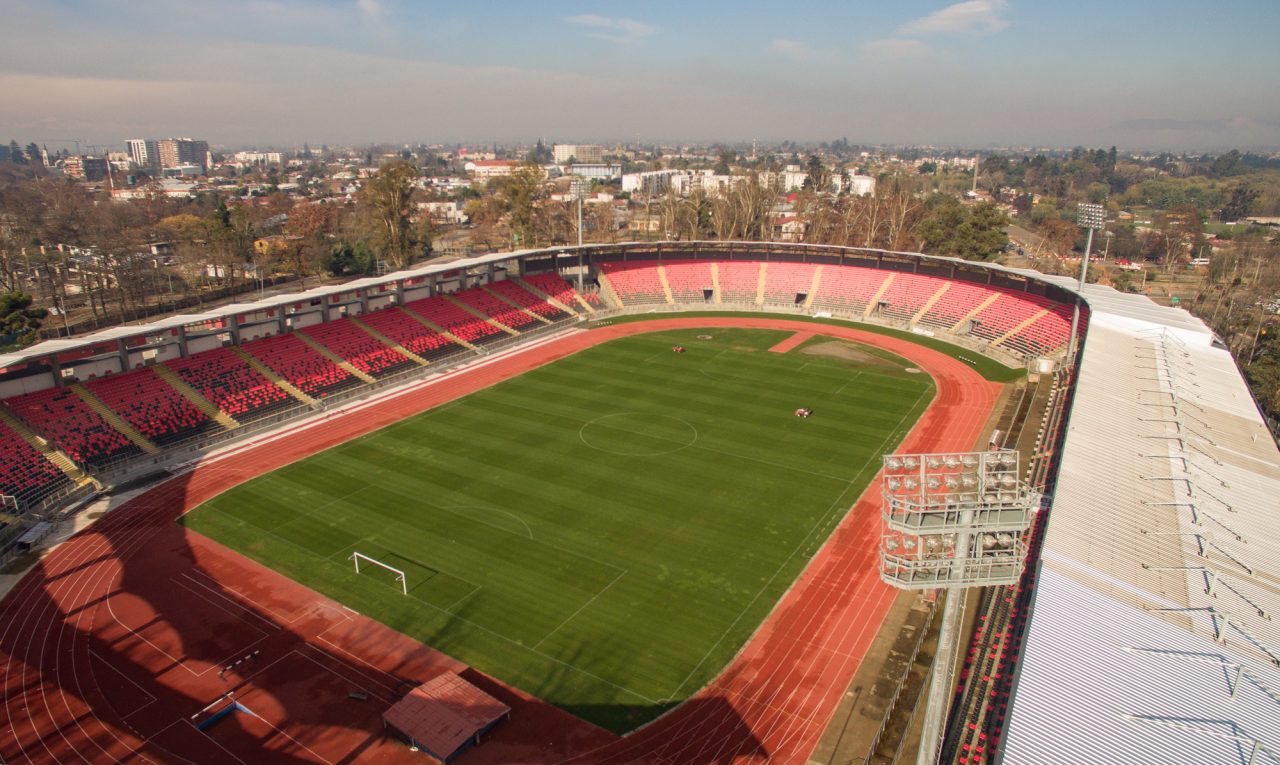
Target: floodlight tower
1089,216
951,521
578,190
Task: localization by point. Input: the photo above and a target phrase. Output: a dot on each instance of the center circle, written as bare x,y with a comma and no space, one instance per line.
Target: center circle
638,434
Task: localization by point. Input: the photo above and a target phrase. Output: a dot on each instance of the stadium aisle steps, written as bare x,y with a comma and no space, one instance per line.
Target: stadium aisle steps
318,347
715,282
59,460
267,372
813,287
934,298
666,283
397,347
479,314
875,297
62,417
151,406
364,353
509,301
1027,322
607,289
969,316
561,292
424,321
764,276
230,384
114,420
404,328
554,300
197,400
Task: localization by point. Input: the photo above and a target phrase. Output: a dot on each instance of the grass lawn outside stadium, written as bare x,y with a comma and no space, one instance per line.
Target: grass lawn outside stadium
604,532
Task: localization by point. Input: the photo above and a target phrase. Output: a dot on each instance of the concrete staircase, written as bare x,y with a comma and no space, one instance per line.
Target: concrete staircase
764,275
114,420
335,358
544,296
268,373
875,299
193,395
516,305
715,282
666,284
609,294
969,316
934,298
440,330
398,348
60,461
476,312
813,287
1027,322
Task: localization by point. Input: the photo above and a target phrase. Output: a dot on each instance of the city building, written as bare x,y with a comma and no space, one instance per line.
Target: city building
85,168
596,170
174,152
485,169
258,157
143,152
584,153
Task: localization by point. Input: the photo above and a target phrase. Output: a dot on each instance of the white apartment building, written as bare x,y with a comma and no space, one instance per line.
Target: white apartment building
583,153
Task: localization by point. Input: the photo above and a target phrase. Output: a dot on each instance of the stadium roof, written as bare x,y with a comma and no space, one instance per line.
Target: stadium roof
444,714
1151,638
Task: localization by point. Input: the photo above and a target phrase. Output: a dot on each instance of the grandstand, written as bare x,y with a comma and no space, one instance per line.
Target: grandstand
1161,481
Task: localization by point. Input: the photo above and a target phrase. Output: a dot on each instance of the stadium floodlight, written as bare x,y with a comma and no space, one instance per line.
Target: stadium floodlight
1090,217
951,521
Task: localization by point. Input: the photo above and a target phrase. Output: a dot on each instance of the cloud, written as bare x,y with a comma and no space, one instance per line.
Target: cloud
970,16
617,30
895,49
792,49
371,8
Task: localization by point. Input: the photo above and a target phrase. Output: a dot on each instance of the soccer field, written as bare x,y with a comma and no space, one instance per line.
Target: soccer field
604,532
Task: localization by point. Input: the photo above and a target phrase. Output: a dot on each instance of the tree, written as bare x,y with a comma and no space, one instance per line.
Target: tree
819,175
18,320
386,201
517,195
971,233
1238,205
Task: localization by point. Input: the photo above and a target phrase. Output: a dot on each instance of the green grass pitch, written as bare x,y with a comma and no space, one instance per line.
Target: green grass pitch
604,532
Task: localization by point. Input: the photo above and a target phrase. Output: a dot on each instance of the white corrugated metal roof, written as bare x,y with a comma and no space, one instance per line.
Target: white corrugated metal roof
1169,484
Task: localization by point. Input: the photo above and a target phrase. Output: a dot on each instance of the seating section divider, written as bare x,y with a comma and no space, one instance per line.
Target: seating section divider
416,337
452,319
151,406
231,384
495,308
527,300
66,420
24,472
301,365
359,348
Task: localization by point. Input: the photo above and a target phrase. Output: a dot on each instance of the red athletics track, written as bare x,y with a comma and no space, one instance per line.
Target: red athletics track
117,637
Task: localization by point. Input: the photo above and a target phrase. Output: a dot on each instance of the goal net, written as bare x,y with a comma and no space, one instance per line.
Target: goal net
359,558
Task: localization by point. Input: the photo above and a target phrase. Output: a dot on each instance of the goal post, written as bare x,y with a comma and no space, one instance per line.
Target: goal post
357,557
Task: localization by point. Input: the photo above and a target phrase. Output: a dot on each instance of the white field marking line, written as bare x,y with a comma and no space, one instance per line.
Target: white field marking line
679,446
846,382
580,609
239,652
195,589
458,602
389,688
803,541
158,649
286,735
128,679
279,617
206,735
453,510
289,429
351,547
361,659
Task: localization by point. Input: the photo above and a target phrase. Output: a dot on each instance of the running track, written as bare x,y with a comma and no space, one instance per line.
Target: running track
64,656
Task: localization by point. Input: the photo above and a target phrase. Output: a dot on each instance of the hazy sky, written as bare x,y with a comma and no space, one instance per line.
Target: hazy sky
1170,74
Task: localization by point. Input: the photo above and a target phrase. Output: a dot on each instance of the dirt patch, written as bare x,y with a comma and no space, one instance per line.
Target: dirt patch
848,352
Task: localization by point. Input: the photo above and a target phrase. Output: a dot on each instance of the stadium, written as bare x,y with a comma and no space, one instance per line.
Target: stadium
558,506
